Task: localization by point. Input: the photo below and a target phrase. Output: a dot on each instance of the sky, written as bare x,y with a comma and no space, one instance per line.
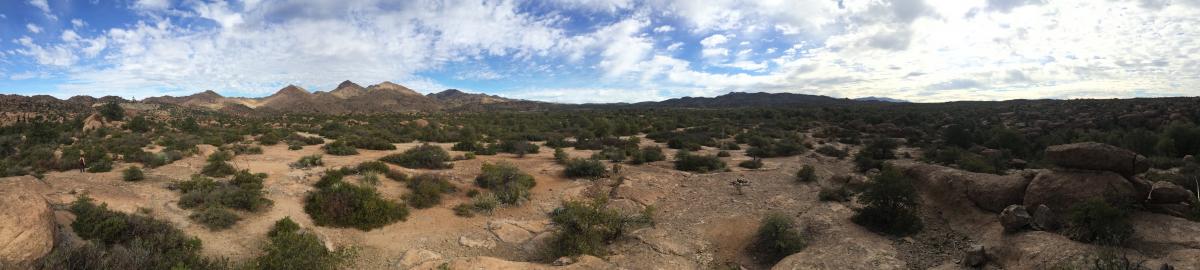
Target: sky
583,51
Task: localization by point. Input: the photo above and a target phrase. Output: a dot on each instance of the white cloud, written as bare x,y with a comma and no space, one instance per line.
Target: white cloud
77,23
153,5
69,36
33,28
674,46
40,4
664,29
714,40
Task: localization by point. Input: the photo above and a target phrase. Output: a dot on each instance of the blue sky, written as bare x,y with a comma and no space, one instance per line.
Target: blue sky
607,50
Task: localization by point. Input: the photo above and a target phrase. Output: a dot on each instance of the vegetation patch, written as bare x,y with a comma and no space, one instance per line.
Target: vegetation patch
339,204
777,238
587,228
585,168
426,156
218,165
308,162
506,181
426,190
290,247
890,205
1097,221
133,173
339,148
686,161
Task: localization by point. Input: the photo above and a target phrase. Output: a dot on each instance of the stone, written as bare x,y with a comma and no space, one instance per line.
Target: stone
563,261
975,256
987,191
1173,209
1018,163
1060,190
1189,158
1015,218
26,223
472,242
414,257
1164,192
509,232
1044,219
1097,156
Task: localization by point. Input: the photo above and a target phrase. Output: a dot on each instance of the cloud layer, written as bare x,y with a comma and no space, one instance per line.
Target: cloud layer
613,50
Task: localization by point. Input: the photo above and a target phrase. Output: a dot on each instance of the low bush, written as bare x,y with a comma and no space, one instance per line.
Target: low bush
215,218
218,165
242,149
372,166
295,146
890,205
585,168
611,154
837,193
371,143
122,241
587,227
426,156
344,205
754,163
723,153
101,165
339,148
304,140
777,238
289,247
307,162
873,155
806,174
242,192
1096,221
506,181
466,146
426,190
560,156
518,147
648,154
133,173
685,161
832,151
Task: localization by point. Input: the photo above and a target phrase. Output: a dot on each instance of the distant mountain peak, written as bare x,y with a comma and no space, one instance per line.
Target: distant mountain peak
390,86
291,90
209,93
348,89
881,99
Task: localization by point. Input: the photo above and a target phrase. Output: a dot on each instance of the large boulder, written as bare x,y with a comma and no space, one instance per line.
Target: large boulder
1060,190
1015,218
1167,192
26,223
1097,156
989,192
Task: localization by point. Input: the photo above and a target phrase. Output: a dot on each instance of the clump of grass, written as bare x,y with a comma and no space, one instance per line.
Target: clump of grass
427,190
133,173
506,181
308,162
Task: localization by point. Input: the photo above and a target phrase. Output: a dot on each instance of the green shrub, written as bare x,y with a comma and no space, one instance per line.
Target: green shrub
754,163
832,151
133,173
101,165
215,218
585,168
723,153
372,166
560,156
464,210
112,111
242,149
1096,221
396,175
371,143
485,202
344,205
370,178
875,153
425,156
290,248
587,227
610,153
123,241
242,192
295,146
427,190
806,174
837,193
218,165
518,147
890,205
339,148
648,154
307,162
304,140
466,146
510,185
777,238
685,161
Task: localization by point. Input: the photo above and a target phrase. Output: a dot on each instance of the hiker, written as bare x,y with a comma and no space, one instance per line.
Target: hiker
739,183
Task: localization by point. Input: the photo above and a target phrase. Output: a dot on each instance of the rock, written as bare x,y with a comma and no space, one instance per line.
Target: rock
563,261
975,256
472,242
1044,218
1164,192
1018,163
1015,218
1035,250
26,224
509,232
1060,190
1189,158
987,191
1173,209
1097,156
93,122
626,207
491,263
840,244
414,257
1165,231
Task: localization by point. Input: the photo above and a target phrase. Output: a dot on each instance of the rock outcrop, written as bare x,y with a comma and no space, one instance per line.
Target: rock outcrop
26,223
1097,156
1061,189
989,192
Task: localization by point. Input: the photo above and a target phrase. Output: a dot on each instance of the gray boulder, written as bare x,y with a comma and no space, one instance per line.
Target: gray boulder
1165,192
1015,218
1044,218
1059,190
1097,156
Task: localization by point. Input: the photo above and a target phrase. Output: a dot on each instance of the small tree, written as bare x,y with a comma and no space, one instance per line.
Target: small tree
560,156
288,247
510,185
585,168
891,205
112,111
777,238
1097,221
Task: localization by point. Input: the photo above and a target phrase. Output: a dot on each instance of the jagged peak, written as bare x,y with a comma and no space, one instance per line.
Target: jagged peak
292,89
209,93
347,84
387,85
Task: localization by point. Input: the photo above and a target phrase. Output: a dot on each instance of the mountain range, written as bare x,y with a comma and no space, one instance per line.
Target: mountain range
387,97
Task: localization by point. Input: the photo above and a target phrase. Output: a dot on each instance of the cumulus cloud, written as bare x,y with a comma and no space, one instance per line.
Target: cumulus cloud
920,50
33,28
